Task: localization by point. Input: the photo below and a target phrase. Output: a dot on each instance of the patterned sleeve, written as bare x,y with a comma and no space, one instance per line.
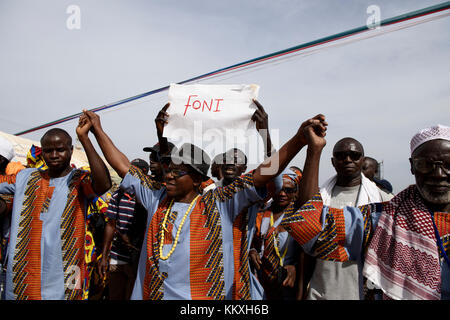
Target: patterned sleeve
329,233
145,188
238,195
8,184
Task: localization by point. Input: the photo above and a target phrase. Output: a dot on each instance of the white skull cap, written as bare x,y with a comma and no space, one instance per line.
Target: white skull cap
428,134
6,148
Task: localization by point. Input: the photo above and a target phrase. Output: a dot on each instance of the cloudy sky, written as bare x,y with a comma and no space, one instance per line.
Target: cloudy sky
380,91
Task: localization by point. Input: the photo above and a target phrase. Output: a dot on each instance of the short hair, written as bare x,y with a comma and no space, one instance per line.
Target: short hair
141,164
218,159
57,131
371,160
233,151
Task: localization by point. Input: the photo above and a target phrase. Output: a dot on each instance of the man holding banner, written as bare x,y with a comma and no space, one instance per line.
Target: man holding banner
216,118
188,249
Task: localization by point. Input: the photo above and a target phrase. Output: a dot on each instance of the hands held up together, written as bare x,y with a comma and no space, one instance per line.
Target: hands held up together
312,132
88,121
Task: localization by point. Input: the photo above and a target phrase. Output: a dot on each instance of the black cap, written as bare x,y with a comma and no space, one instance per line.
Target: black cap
141,164
193,156
156,147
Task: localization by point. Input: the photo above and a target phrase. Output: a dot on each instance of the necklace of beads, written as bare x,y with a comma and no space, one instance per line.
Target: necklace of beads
276,242
174,245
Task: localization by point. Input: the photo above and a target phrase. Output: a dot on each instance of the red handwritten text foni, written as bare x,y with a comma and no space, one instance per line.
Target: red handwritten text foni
211,106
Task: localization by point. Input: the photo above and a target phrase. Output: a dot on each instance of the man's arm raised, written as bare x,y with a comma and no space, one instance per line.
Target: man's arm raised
262,126
160,121
274,165
101,180
309,184
114,156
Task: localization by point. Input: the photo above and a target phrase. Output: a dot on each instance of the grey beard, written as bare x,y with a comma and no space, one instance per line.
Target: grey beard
433,199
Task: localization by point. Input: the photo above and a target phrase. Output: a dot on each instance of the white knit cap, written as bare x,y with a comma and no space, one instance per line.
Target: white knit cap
428,134
6,148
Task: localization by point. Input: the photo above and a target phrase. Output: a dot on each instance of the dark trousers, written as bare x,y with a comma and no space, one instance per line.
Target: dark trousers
121,281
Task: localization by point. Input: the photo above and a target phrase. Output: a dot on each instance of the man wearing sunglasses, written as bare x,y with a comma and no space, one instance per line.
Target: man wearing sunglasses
188,250
349,187
401,245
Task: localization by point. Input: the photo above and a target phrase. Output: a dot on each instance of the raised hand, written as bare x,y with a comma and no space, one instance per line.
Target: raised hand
162,119
94,120
315,135
84,125
260,117
262,125
312,132
101,180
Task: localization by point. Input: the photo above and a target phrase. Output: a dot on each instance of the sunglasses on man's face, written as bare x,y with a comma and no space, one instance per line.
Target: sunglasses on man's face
175,172
426,166
289,190
342,155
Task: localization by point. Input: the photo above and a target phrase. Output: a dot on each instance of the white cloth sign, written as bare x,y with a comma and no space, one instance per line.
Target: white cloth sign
213,117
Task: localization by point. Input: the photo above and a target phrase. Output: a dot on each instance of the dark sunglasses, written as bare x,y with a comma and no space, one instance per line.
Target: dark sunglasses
289,190
176,173
425,166
342,155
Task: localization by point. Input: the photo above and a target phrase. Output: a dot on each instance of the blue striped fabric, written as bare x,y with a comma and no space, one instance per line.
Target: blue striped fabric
121,208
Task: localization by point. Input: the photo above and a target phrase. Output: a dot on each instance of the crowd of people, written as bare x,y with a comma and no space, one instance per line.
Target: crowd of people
182,226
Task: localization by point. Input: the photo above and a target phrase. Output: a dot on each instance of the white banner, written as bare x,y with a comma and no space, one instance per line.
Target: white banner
213,117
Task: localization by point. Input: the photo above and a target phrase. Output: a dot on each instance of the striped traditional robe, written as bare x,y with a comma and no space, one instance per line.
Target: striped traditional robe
209,253
46,254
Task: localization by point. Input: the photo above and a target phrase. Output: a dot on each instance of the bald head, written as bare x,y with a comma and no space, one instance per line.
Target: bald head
348,144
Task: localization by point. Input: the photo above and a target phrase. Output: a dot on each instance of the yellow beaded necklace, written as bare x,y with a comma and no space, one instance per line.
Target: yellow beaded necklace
174,245
275,243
